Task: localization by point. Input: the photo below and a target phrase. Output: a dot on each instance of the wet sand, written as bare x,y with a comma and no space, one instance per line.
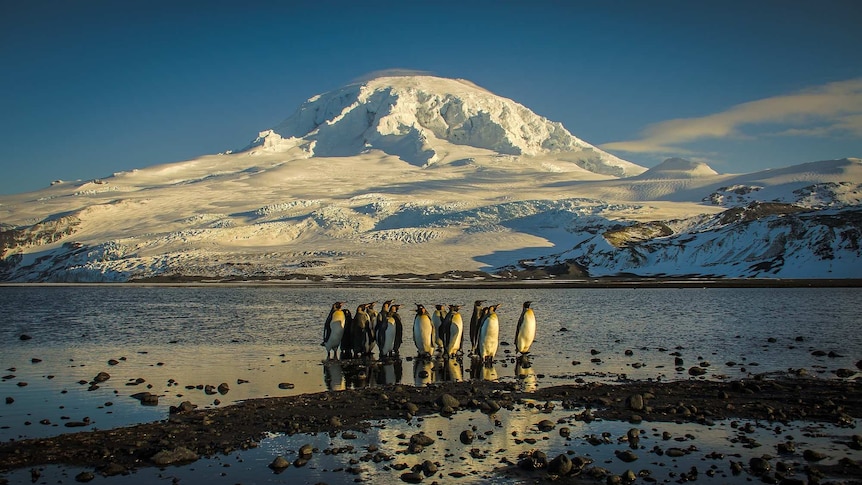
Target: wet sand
191,434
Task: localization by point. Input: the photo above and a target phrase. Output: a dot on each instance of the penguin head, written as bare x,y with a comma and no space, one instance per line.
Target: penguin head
478,302
439,307
420,309
454,308
527,304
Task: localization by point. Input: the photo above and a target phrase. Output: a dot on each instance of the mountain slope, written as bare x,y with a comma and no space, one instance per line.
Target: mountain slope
302,204
417,118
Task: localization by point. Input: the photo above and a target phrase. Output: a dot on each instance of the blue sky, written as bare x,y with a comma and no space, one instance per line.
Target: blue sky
89,88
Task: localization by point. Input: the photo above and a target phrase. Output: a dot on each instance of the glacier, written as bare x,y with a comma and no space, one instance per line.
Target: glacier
426,177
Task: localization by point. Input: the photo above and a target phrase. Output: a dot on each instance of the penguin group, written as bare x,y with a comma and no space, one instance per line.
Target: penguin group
436,333
356,335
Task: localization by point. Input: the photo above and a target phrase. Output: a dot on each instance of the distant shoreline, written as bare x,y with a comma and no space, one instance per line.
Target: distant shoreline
610,282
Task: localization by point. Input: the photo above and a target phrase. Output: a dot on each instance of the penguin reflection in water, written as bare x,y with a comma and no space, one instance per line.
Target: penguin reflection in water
333,329
489,334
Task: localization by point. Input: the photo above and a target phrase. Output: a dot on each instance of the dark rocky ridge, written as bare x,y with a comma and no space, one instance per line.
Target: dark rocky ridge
208,432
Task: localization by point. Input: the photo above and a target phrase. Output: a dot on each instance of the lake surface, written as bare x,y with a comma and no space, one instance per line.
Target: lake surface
174,341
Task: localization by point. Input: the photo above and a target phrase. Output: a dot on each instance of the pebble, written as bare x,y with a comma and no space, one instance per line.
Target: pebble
171,457
85,477
279,463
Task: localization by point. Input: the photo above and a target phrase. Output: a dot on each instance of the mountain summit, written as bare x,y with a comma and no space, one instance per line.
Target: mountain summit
420,118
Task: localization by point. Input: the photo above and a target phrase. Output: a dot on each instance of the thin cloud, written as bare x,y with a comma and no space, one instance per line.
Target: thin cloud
393,72
828,110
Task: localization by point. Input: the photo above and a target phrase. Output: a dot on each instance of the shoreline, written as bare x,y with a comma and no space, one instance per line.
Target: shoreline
774,398
364,282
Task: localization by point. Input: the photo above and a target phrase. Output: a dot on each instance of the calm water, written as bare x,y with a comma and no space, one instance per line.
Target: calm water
172,341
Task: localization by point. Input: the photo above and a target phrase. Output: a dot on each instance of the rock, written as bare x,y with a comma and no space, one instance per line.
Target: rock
696,371
85,477
101,377
411,407
184,407
812,455
467,436
561,465
422,439
448,400
565,432
429,468
844,373
546,425
535,460
113,469
179,455
786,448
24,336
306,450
209,390
286,385
759,466
635,402
9,400
146,398
223,388
859,364
627,456
279,463
335,422
411,477
490,406
113,362
675,452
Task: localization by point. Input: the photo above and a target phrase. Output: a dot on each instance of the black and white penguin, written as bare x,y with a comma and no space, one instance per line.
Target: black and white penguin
372,322
333,329
437,317
423,332
475,321
347,338
453,331
525,333
399,328
385,333
360,331
489,334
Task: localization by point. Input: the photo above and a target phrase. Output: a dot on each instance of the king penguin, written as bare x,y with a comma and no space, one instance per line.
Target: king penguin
399,328
385,332
333,329
423,332
360,331
437,321
475,321
526,330
489,335
453,330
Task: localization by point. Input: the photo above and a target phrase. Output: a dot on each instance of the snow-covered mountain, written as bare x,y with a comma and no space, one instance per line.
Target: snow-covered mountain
418,118
430,176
